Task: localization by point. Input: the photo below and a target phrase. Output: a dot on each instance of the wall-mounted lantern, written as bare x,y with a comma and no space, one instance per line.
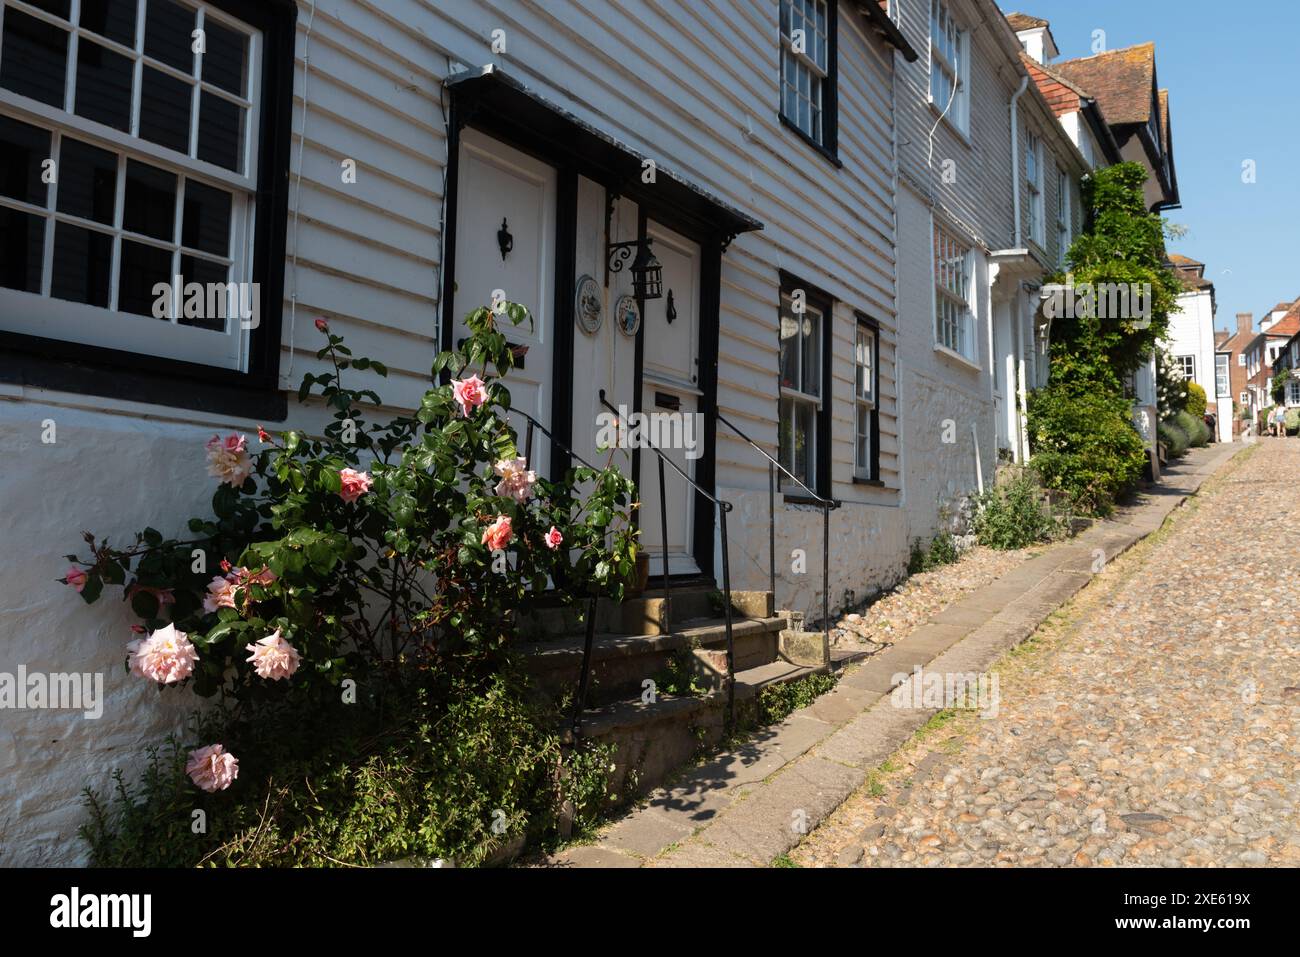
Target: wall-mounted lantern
647,273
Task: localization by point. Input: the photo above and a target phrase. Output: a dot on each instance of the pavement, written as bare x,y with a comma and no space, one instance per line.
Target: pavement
753,805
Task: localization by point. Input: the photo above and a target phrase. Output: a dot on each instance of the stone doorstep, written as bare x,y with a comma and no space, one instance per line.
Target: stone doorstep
818,756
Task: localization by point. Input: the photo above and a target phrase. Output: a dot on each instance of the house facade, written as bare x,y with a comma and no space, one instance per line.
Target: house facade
1192,344
1263,350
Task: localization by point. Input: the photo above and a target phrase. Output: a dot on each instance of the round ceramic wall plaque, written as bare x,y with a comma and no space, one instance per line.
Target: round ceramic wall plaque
627,315
588,306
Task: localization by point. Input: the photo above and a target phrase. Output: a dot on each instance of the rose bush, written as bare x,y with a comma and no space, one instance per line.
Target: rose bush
381,551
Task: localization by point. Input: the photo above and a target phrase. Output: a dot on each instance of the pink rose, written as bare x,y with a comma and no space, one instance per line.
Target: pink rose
273,657
323,326
166,656
470,393
553,538
229,460
499,533
212,768
76,578
517,479
221,593
355,484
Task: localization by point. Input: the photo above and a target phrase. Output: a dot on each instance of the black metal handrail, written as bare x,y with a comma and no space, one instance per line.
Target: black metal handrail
827,505
723,508
589,638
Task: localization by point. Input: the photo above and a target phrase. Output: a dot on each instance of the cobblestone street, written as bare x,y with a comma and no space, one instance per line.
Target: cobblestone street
1152,721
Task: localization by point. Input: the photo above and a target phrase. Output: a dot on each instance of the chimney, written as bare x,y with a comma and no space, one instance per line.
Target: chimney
1245,322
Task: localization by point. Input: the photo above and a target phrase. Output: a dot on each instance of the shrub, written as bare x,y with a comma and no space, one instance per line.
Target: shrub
1084,445
1195,400
1198,433
1293,420
1175,439
942,550
1014,514
376,575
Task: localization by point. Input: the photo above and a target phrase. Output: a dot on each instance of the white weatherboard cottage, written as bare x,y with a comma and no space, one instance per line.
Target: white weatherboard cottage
388,165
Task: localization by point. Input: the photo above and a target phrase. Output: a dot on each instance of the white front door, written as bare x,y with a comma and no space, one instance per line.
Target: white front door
503,191
670,380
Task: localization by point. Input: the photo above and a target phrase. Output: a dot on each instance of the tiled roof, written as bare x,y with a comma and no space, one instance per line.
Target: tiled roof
1121,80
1178,259
1023,21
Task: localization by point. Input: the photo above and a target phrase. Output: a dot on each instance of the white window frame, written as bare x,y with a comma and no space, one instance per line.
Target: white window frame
798,396
1064,215
865,384
805,66
1186,363
1241,358
943,25
39,314
1034,183
954,316
1222,376
1244,398
1292,392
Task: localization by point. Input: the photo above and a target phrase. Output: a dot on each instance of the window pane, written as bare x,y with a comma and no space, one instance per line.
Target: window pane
215,304
221,132
785,430
150,201
22,241
804,441
168,34
83,262
810,327
103,85
23,149
142,268
165,110
60,8
225,61
114,19
206,222
34,58
87,181
862,444
789,350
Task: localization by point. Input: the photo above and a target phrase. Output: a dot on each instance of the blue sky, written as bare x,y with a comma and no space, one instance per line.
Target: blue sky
1233,96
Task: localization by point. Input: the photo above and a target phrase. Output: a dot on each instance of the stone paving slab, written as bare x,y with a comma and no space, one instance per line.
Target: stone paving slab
747,807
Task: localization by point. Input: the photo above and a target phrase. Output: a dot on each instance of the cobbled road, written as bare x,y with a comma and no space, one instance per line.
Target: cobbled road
1153,722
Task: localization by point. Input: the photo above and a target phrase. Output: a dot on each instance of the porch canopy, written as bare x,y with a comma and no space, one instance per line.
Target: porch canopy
500,103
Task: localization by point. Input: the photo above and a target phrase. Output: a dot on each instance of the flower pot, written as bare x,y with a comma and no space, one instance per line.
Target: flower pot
640,577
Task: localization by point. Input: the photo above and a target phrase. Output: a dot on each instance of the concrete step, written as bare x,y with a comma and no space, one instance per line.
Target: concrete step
645,614
620,663
654,738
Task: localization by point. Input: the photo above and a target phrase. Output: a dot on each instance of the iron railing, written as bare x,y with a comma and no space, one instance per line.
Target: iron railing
723,508
827,506
589,637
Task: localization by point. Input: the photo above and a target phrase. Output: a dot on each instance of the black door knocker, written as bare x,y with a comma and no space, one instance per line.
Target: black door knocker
505,242
672,309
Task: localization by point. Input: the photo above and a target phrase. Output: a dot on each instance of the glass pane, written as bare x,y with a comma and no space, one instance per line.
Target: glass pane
83,262
209,313
789,339
22,241
168,34
225,61
165,110
23,149
114,19
103,85
60,8
143,267
206,221
87,181
221,132
862,443
804,442
150,201
34,58
810,328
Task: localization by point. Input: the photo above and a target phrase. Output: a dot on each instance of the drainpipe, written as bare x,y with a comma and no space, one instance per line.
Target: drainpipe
1015,151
